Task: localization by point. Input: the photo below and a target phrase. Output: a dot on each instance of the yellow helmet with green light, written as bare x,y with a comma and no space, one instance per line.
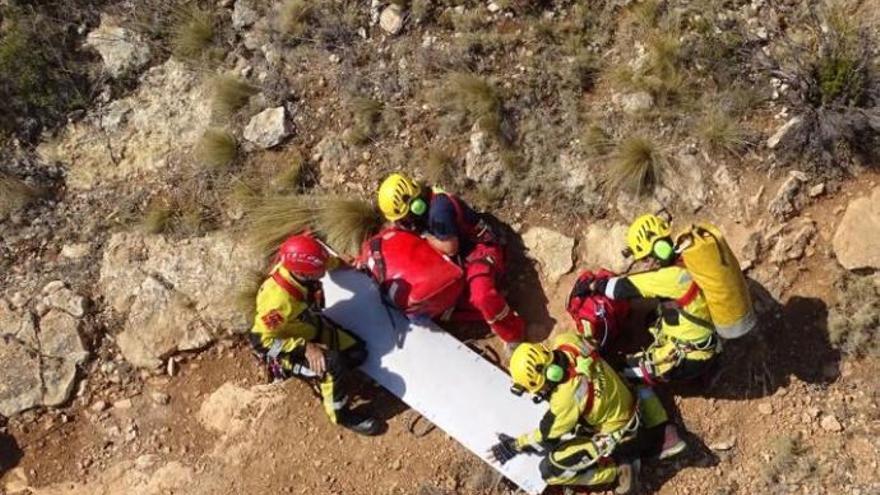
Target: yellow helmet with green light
531,365
649,234
398,196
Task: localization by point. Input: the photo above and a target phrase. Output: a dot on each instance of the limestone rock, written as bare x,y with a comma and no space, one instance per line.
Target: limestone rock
75,251
551,249
123,51
39,368
786,202
634,103
687,183
143,476
391,19
580,180
243,14
857,239
830,423
138,135
784,132
602,247
177,296
56,295
792,241
483,165
268,128
231,408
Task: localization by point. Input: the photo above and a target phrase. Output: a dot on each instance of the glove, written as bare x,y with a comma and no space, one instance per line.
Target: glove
505,449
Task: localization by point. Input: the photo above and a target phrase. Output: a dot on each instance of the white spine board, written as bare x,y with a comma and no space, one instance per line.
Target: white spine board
435,374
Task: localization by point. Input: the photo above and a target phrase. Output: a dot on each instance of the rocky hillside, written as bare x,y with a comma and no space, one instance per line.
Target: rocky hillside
144,142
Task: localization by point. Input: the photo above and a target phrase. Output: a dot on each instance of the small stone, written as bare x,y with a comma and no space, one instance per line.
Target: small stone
268,128
122,404
784,132
493,7
634,103
817,190
724,445
122,51
160,398
75,251
171,368
391,20
243,14
765,408
551,249
830,423
99,406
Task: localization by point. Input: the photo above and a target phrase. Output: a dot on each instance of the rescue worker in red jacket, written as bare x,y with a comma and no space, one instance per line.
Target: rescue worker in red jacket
454,229
293,338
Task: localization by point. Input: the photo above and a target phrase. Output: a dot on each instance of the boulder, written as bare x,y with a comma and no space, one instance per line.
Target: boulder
857,239
635,103
122,50
124,139
784,132
230,408
552,250
57,295
39,361
268,128
173,296
602,247
787,201
580,180
243,14
391,19
483,165
792,241
686,184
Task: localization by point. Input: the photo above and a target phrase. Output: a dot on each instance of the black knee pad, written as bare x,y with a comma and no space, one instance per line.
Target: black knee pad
335,363
355,355
548,470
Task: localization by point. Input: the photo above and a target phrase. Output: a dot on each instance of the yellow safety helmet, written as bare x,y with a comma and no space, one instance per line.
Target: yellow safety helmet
644,233
395,195
529,365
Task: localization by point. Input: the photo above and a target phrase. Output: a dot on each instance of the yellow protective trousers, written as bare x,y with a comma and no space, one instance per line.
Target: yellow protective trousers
574,462
344,352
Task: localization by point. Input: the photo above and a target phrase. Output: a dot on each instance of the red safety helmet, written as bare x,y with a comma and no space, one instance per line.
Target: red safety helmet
303,256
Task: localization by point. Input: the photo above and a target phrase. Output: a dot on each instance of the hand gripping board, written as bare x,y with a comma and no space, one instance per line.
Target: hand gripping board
446,382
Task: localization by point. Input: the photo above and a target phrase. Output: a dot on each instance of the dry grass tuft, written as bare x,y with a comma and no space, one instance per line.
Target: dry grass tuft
366,114
246,296
192,33
346,223
157,216
596,141
789,462
188,210
14,194
217,148
295,16
722,134
854,324
438,167
230,94
638,166
473,100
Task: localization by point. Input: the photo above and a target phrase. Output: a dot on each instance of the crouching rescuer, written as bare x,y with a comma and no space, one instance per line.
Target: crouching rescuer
455,230
685,341
596,430
293,338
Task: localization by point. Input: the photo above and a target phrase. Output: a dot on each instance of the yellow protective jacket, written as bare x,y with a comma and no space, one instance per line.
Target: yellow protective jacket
598,400
685,324
282,310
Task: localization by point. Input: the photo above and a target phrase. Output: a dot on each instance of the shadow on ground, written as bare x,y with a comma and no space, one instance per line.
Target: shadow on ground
10,453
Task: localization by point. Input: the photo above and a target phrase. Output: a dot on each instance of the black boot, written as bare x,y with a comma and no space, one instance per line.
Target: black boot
364,425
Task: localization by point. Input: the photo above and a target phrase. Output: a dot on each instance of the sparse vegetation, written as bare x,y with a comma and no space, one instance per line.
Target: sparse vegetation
42,75
14,194
722,134
192,33
473,100
295,16
853,325
230,94
217,148
789,461
638,166
596,141
366,116
346,223
186,210
437,166
833,84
